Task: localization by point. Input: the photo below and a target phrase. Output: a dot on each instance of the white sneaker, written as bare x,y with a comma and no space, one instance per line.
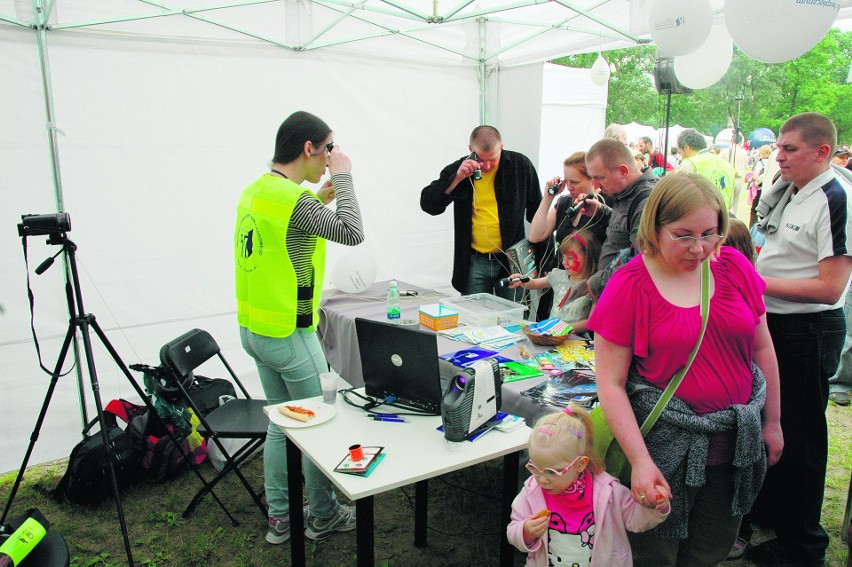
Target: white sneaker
342,521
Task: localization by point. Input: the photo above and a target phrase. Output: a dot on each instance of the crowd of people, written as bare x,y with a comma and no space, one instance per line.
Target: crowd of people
624,242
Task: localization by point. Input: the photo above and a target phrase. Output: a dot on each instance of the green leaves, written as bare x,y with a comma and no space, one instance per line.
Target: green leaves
815,82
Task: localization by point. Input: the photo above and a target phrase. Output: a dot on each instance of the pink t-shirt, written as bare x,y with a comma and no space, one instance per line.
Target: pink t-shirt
632,313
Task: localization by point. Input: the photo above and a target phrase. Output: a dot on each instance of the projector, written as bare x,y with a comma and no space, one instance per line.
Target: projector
471,400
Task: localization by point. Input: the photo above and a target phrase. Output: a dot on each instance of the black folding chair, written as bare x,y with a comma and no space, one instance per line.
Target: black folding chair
237,419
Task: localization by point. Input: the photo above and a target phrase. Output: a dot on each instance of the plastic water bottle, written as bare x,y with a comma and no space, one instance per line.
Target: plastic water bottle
393,302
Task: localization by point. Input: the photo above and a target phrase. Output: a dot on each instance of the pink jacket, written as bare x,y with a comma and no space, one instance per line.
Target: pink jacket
615,513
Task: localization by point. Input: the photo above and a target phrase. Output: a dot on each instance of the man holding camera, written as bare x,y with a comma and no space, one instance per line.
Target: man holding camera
611,166
490,189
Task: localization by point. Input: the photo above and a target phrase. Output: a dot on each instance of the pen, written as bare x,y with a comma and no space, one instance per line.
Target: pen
383,415
393,419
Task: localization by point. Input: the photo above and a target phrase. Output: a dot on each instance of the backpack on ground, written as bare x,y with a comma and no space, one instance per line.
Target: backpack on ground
87,480
161,458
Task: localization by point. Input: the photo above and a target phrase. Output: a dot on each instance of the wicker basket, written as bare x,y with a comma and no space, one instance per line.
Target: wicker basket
545,340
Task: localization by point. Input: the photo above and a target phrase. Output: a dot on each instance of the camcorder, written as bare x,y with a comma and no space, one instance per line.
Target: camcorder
477,173
36,225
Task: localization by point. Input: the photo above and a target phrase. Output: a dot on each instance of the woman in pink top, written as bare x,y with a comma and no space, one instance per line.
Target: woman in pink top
707,448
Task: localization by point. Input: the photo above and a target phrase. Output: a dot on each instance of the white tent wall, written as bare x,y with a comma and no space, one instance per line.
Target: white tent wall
159,139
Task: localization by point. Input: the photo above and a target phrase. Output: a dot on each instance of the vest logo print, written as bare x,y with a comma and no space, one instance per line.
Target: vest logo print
248,243
792,226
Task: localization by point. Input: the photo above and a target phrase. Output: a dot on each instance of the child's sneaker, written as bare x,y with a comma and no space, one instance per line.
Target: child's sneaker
279,528
342,521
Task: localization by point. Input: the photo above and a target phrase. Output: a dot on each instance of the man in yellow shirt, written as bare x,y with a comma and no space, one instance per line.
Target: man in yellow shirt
491,189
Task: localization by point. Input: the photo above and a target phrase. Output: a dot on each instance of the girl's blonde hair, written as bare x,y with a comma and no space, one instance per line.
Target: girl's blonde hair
564,435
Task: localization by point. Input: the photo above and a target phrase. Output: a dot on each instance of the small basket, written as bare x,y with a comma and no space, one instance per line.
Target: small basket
544,340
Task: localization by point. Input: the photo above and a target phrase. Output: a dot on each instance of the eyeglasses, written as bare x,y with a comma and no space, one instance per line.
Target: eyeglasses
689,240
549,474
328,147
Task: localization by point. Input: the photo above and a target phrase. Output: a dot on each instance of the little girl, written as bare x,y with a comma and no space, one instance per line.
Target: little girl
580,252
571,512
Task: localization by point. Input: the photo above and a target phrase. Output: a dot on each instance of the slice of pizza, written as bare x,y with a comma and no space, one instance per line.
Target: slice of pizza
297,412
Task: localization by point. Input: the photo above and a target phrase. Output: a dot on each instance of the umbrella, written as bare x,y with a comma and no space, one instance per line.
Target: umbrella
761,137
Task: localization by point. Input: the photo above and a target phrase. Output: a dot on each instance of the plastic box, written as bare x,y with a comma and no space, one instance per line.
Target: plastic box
485,310
438,317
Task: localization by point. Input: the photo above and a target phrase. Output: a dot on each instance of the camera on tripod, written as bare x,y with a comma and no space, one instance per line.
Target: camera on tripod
36,225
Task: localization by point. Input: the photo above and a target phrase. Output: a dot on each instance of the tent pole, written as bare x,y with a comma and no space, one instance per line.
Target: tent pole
482,78
40,17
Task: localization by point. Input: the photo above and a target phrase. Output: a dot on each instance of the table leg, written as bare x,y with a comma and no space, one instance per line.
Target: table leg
421,506
364,528
297,518
510,487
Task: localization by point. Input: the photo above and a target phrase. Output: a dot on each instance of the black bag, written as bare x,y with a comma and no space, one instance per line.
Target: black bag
160,382
161,458
87,480
206,392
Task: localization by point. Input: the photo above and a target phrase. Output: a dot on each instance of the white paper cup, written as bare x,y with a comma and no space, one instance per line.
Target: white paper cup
328,384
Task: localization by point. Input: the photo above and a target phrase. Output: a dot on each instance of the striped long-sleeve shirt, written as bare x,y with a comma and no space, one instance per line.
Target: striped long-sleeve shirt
312,219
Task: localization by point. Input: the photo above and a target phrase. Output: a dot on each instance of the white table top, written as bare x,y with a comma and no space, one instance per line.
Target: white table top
414,451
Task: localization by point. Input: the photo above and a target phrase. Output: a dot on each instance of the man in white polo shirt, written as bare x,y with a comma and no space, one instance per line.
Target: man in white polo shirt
806,263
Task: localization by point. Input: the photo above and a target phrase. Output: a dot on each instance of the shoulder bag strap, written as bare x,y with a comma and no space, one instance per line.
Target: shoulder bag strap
678,378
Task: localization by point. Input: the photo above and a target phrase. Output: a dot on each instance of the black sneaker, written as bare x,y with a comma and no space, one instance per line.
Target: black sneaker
773,554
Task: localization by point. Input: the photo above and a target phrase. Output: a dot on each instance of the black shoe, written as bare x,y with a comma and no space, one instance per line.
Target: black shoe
773,554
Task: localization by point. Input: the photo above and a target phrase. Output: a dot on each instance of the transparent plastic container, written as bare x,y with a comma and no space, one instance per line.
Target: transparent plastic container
485,310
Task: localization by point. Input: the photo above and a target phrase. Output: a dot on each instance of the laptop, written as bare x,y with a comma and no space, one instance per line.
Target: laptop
400,361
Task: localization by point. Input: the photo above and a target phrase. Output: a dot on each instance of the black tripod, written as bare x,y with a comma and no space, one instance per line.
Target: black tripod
56,227
83,322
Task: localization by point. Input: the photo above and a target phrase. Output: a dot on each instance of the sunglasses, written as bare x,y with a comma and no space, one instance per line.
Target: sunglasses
549,474
328,147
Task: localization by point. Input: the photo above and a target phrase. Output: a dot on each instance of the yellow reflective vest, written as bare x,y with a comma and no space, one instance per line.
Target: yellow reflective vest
266,285
720,172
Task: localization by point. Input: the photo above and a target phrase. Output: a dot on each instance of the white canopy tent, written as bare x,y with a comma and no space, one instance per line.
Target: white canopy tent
144,119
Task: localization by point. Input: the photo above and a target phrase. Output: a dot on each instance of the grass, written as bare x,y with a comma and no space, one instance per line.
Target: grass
463,519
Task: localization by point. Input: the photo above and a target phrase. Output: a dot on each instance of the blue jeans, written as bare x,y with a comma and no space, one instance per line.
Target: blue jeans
289,369
486,270
842,379
790,501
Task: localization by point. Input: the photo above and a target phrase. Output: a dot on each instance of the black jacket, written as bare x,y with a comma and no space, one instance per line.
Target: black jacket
517,190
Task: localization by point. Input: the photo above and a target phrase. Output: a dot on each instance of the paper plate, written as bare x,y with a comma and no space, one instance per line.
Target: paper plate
323,412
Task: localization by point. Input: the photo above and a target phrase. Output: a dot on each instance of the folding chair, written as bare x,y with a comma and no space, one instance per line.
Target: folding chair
238,418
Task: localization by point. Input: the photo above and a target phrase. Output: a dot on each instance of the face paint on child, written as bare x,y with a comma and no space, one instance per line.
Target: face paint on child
573,262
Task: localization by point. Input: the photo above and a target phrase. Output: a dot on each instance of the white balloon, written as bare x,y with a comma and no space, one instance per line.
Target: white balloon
724,137
354,272
600,71
707,64
775,31
679,27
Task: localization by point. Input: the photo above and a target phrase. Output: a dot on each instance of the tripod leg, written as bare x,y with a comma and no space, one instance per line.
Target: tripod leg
85,321
57,369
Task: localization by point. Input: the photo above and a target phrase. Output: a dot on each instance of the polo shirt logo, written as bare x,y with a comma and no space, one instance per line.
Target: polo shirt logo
792,226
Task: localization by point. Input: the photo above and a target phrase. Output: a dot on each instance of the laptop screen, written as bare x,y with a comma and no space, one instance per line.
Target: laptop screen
400,361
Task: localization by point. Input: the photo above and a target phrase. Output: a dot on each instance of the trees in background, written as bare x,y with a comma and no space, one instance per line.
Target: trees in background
771,93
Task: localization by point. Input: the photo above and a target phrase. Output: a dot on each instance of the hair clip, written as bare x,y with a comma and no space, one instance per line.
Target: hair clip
547,432
568,410
579,434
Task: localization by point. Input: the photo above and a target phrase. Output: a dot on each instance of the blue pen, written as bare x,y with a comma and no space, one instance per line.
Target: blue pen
383,415
393,419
